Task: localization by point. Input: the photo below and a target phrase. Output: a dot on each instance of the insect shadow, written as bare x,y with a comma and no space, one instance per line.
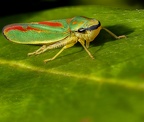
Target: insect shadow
104,37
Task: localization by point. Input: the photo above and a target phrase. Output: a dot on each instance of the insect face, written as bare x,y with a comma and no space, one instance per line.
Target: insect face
89,31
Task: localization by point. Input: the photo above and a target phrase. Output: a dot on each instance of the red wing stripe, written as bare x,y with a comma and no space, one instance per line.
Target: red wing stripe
54,24
19,27
13,27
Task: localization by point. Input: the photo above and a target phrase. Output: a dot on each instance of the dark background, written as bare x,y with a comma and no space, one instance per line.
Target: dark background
11,7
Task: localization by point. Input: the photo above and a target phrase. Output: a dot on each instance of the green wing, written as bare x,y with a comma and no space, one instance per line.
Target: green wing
45,32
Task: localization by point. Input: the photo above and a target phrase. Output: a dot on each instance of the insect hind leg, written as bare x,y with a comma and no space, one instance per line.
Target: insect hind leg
39,51
65,47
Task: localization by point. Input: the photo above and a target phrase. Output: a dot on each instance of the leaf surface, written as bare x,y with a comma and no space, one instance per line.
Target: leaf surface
73,87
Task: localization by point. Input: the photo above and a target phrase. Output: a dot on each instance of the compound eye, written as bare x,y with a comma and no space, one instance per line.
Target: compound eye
81,30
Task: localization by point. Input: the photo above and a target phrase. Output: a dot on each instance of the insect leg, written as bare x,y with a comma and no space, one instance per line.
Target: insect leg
82,43
65,47
112,34
40,50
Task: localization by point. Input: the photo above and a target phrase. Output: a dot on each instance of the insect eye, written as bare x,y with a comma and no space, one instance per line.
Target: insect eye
81,30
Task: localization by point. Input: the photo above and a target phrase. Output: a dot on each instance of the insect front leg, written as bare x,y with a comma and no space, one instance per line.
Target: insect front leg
112,34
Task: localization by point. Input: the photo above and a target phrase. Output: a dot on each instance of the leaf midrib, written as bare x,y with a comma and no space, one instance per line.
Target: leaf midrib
123,83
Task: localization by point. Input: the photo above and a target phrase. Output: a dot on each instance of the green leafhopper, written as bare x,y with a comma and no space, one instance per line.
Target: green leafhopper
56,33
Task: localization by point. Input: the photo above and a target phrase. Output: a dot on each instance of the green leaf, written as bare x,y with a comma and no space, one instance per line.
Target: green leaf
73,87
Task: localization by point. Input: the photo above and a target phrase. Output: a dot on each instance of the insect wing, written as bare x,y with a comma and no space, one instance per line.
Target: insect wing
37,32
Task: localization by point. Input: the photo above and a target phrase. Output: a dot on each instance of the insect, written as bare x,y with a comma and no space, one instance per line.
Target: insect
56,33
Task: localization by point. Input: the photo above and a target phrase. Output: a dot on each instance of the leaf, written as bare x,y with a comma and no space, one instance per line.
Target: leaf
73,87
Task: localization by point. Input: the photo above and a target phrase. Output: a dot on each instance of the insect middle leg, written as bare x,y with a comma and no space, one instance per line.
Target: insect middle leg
82,43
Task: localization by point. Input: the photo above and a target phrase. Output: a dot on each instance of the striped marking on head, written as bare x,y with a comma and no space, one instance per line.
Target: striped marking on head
93,27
